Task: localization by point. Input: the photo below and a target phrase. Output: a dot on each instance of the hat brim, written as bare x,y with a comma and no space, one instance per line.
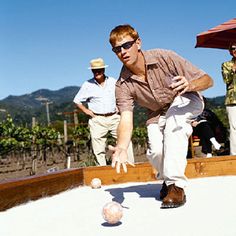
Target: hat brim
98,67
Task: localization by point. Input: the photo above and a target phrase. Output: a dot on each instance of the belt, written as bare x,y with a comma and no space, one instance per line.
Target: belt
106,114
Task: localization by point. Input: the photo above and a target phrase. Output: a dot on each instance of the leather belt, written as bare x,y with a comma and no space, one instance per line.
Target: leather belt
106,114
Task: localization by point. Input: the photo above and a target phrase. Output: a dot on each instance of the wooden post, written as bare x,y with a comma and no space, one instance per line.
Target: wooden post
75,117
68,162
34,152
191,146
65,132
34,167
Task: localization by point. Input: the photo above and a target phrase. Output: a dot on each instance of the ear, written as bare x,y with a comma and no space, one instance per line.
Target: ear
139,43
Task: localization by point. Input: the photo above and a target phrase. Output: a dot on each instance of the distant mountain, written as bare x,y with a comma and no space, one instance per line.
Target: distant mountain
23,108
35,99
216,101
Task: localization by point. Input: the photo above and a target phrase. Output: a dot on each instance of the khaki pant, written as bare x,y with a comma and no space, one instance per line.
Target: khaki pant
99,127
231,110
168,139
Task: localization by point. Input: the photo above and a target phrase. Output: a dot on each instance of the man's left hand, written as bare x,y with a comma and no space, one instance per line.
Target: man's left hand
180,85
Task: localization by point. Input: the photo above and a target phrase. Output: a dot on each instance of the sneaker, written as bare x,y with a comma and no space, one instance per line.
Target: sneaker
208,155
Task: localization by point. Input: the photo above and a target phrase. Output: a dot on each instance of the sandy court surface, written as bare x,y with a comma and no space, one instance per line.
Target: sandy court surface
210,210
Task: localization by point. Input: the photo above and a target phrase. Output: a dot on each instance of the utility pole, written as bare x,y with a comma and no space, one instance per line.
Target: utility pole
47,111
46,102
3,114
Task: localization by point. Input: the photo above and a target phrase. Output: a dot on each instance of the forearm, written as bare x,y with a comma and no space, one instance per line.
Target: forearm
82,107
124,131
200,84
85,110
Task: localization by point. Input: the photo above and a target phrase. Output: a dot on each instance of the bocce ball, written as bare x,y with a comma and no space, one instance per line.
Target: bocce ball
112,212
96,183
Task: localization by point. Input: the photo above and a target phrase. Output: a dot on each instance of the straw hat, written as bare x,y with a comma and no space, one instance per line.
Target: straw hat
97,63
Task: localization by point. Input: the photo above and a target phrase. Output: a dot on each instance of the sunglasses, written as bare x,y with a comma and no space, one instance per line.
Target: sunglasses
126,45
233,49
98,70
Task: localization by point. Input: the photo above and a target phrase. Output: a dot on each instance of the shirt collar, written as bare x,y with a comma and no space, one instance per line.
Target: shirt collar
95,81
149,60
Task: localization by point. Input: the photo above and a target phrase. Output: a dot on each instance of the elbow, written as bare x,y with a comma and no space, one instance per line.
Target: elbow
208,81
211,82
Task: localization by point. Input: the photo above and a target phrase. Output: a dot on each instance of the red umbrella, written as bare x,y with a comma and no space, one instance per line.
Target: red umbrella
218,37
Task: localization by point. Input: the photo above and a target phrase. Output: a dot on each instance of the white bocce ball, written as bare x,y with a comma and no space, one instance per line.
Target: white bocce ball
112,212
96,183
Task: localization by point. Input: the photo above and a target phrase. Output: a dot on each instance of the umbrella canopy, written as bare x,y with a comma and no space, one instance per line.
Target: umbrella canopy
218,37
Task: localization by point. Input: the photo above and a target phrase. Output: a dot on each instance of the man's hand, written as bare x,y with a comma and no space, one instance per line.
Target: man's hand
89,113
194,123
180,84
119,157
85,110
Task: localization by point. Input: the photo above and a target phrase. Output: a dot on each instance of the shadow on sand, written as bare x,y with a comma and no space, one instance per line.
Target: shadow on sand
144,191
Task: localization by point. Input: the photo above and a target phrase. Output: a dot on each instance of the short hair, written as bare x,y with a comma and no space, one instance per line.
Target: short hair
121,31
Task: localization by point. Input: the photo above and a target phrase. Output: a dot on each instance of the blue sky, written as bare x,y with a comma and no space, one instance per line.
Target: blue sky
49,43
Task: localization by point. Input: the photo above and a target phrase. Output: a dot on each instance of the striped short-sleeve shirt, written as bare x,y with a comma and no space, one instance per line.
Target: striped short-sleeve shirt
155,93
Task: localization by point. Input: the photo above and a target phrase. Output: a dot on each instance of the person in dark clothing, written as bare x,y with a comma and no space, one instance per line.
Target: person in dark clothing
211,132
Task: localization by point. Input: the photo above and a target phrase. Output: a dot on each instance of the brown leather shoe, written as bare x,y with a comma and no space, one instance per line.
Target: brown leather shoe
163,191
175,197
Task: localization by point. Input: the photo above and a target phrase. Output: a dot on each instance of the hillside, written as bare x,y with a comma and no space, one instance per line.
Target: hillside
23,108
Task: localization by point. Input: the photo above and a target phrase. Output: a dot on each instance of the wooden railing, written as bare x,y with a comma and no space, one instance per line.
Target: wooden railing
18,191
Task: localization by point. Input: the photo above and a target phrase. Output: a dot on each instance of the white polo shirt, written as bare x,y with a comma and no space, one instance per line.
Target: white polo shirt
100,99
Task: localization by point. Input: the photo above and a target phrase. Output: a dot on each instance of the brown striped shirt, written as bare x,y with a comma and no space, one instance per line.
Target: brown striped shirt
155,93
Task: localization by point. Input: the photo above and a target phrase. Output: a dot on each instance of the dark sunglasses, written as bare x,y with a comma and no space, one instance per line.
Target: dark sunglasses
126,45
233,49
100,70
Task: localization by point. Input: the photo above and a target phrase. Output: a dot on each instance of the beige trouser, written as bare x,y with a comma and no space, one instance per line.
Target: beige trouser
168,139
99,127
231,110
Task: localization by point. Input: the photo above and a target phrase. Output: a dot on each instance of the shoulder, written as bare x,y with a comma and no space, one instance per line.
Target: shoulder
161,51
154,55
227,63
88,83
157,52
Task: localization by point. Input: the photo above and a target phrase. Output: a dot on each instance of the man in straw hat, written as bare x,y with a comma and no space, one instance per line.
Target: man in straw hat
229,77
167,85
99,95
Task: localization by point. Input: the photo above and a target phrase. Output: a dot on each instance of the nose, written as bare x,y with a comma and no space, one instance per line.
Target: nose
123,50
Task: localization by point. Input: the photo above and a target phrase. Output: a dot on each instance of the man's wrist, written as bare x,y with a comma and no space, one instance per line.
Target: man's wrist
121,147
191,87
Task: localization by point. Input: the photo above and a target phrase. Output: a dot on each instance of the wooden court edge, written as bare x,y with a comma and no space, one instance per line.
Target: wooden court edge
18,191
